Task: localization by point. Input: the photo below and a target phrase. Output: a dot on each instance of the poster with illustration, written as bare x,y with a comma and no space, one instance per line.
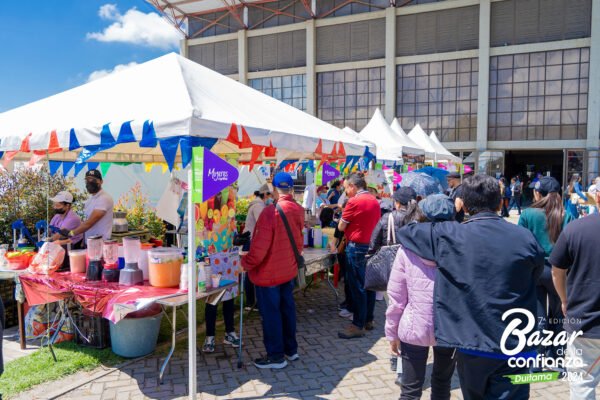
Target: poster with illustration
228,265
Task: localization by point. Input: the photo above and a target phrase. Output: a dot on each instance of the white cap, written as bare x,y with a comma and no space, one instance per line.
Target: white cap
63,197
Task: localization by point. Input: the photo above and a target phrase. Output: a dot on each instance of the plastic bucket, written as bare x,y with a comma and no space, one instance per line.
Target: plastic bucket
135,337
164,267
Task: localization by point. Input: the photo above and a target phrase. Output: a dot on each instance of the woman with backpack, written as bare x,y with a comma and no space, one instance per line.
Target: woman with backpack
409,316
546,218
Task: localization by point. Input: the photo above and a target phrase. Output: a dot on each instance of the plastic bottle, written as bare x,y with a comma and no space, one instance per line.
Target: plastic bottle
201,279
305,235
183,281
317,237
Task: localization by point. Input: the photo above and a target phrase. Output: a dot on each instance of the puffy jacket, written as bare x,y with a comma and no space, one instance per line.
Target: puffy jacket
379,235
271,260
409,316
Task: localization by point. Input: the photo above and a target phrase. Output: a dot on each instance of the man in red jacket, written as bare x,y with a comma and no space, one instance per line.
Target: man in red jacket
272,267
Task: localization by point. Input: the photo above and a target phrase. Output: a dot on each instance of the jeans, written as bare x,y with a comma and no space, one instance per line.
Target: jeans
278,313
515,200
484,378
584,352
505,202
363,300
549,308
210,314
414,366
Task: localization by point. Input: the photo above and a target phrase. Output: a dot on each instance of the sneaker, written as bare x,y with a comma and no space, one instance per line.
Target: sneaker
232,339
293,357
209,345
342,305
345,313
351,332
370,325
267,363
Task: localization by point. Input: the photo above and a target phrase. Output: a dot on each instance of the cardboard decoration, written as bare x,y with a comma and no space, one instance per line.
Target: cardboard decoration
211,174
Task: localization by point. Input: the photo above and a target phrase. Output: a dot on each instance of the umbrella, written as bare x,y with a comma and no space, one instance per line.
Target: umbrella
422,183
438,173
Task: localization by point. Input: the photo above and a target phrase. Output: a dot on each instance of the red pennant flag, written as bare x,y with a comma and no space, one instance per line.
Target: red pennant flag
35,158
319,149
256,150
323,160
341,150
334,150
233,136
53,146
25,145
8,156
270,151
246,142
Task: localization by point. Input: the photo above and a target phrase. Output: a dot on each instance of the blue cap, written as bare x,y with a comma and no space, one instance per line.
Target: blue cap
283,180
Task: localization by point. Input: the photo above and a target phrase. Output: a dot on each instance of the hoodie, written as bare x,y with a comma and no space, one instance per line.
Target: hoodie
486,266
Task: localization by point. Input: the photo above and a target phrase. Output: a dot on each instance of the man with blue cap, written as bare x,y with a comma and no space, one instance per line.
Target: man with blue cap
272,266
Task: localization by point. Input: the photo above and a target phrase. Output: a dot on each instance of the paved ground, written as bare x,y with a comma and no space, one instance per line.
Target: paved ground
330,368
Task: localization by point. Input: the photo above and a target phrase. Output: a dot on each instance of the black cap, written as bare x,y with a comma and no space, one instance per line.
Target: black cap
404,195
547,184
94,173
453,175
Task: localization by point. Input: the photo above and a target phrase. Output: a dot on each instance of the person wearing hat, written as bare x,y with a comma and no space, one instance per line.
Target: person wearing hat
65,218
406,210
546,218
272,267
454,183
409,318
322,200
98,209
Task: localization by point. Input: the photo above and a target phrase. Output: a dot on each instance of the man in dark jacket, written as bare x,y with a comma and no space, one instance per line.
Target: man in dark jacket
272,267
477,282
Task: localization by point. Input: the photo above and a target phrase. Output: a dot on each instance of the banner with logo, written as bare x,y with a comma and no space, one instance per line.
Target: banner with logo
210,174
326,174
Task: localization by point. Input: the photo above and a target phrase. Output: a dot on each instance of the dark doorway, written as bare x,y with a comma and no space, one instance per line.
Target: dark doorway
526,164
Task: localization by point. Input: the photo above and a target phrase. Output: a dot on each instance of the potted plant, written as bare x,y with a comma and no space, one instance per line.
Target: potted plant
140,216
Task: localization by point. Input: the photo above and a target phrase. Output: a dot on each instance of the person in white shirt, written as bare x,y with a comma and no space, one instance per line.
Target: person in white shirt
309,197
262,199
98,209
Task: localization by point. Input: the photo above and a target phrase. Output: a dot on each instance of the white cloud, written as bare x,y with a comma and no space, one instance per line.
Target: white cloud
136,27
105,72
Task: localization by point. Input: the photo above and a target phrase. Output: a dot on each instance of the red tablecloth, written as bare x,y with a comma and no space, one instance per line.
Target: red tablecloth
94,296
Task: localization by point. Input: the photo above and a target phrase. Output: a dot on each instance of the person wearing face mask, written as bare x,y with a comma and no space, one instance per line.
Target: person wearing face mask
65,218
98,209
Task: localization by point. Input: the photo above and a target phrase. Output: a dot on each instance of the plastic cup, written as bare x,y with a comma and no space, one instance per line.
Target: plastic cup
216,280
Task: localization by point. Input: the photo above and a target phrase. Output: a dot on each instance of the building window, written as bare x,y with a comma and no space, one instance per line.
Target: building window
539,95
291,89
441,96
350,98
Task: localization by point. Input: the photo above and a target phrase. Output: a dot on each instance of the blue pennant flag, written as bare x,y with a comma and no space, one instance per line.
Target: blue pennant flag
106,138
187,143
54,166
93,165
73,142
148,135
169,149
78,168
126,134
67,166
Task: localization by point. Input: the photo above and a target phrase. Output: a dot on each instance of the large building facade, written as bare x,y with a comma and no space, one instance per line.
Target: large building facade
512,86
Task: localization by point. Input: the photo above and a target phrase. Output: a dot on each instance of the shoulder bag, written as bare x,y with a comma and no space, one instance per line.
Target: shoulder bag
299,258
379,266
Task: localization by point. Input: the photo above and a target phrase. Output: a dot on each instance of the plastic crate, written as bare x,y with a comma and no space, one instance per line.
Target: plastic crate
94,328
7,293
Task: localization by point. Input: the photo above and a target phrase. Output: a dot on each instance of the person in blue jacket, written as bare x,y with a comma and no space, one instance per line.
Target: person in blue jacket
574,188
478,281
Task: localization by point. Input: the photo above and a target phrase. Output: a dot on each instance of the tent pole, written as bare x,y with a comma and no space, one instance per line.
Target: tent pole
192,286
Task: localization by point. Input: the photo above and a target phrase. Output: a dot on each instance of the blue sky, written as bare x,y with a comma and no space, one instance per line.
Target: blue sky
51,46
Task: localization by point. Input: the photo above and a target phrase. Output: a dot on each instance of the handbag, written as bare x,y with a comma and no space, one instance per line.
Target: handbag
299,257
379,266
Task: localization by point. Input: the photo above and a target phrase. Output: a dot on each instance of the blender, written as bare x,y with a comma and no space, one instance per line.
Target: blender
94,253
110,253
131,274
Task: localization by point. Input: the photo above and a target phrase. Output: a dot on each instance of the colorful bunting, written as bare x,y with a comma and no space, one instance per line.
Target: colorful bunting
270,151
104,167
73,142
54,166
126,133
92,165
79,167
67,166
148,135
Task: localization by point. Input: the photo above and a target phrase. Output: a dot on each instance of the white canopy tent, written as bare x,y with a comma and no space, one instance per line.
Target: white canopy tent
177,97
389,146
404,137
169,97
441,150
433,152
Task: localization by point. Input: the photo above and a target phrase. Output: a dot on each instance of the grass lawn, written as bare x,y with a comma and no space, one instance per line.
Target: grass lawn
39,367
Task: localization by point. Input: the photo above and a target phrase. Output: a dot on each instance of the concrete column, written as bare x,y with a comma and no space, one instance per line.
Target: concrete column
484,74
242,56
390,64
183,48
593,122
311,62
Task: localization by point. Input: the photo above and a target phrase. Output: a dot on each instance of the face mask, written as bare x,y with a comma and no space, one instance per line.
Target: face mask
269,202
60,210
92,187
